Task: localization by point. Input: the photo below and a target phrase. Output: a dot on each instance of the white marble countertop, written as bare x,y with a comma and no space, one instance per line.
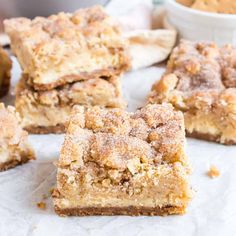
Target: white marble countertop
211,212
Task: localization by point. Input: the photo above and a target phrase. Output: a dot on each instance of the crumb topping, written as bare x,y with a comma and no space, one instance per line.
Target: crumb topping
113,145
197,66
41,205
85,26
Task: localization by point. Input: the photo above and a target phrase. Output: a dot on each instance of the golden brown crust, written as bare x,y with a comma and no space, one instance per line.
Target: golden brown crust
209,137
200,81
130,211
13,163
57,129
79,44
5,72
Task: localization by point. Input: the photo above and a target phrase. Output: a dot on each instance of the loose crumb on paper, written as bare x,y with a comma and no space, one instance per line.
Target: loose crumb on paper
51,191
213,172
41,205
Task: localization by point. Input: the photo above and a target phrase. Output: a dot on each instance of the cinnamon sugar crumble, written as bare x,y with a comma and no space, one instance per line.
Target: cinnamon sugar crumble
213,172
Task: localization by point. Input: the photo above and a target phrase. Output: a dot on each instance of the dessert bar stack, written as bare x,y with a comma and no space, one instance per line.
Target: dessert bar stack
66,59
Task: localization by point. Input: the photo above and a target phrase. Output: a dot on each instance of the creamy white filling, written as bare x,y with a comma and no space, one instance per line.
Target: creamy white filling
4,155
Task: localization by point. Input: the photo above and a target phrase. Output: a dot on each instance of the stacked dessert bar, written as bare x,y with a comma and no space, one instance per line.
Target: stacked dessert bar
66,59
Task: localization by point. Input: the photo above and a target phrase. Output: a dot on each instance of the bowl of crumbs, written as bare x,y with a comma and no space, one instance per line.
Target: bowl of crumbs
203,19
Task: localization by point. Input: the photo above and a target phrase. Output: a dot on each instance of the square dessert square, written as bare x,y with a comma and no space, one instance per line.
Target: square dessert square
66,47
114,162
14,147
200,81
5,72
48,111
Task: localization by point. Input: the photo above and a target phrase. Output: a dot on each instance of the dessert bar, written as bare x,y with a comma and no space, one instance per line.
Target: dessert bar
200,81
117,163
14,147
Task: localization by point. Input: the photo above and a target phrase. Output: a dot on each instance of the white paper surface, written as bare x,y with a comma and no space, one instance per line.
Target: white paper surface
211,212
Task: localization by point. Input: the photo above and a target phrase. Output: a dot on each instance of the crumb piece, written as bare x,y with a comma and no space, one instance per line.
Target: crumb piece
51,191
41,205
213,172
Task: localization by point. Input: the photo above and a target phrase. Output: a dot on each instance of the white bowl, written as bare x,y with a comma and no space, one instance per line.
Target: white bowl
199,25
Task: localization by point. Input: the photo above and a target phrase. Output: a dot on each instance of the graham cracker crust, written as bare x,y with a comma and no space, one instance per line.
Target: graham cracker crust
12,163
58,129
129,211
209,137
5,87
105,74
